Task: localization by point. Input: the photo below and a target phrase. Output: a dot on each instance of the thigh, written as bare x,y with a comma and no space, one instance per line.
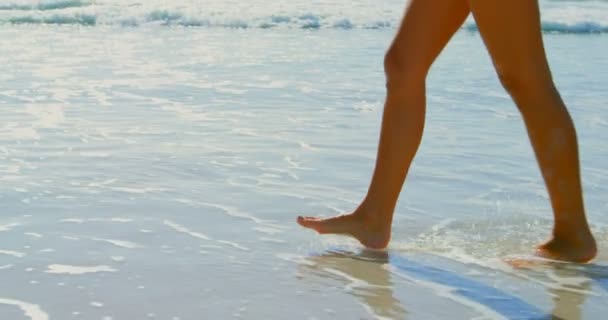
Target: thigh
426,28
511,30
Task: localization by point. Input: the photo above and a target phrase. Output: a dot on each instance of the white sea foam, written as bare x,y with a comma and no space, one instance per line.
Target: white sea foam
8,227
552,281
235,212
272,240
233,244
297,259
77,270
115,219
136,190
576,27
94,154
558,16
44,5
120,243
32,311
182,229
13,253
73,220
268,230
33,234
82,220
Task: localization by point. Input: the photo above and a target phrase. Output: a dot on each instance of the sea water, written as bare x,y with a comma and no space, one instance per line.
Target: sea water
154,156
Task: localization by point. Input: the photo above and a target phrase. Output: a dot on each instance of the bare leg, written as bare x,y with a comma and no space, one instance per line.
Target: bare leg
425,30
511,31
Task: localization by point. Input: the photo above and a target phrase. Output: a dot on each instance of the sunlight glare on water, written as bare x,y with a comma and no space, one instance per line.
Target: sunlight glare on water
154,156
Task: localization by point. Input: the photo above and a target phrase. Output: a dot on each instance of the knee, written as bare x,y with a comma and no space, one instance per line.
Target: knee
401,72
526,82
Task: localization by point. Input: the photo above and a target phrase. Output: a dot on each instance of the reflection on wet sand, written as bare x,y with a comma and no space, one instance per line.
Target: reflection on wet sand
571,285
567,304
365,277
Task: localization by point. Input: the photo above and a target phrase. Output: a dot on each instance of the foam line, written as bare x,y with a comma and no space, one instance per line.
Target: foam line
182,229
586,20
30,310
13,253
120,243
234,245
67,269
46,5
8,227
594,272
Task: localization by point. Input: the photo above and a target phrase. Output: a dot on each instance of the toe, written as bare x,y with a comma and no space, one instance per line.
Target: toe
309,222
339,224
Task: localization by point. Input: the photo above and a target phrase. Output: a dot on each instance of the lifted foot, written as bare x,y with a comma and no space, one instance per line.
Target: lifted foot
370,233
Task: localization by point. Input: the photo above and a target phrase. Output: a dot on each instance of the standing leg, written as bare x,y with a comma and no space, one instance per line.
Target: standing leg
512,33
425,30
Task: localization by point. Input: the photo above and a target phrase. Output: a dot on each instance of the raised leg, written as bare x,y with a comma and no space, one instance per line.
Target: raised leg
426,28
512,33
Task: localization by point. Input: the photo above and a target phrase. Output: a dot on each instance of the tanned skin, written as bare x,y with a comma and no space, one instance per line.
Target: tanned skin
512,34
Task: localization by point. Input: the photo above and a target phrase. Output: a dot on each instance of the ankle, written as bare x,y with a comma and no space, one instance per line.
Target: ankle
375,204
373,221
573,231
574,237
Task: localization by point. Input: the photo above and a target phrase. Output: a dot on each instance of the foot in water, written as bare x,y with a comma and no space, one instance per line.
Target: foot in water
579,249
376,234
371,233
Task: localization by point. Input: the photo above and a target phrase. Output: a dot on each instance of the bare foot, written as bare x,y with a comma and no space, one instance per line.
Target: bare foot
580,249
370,233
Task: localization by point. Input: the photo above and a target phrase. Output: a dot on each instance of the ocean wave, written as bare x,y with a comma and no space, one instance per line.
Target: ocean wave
80,19
45,5
171,18
558,17
583,27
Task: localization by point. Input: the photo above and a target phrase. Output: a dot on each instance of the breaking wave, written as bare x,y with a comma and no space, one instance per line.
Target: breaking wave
587,17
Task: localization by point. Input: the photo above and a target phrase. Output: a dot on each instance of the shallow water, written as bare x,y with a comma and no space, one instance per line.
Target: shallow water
156,172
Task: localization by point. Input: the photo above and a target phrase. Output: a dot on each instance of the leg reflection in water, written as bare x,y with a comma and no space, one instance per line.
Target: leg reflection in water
365,276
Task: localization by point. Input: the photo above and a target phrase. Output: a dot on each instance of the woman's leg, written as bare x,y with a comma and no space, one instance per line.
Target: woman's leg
512,33
425,30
